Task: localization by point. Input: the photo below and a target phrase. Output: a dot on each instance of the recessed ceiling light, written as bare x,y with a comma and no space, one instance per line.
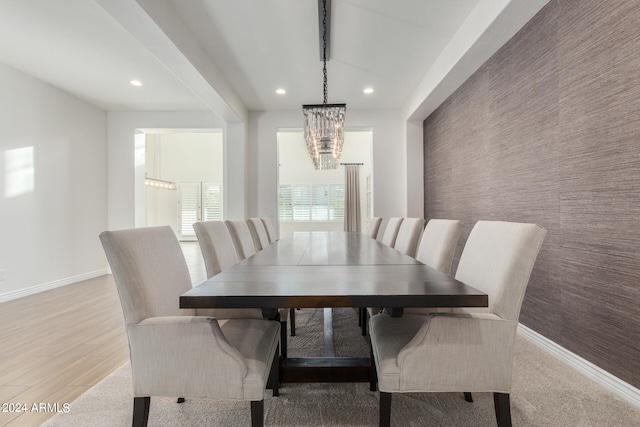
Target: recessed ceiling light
135,82
368,90
281,91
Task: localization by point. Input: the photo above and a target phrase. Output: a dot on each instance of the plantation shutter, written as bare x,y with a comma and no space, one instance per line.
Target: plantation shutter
188,208
336,207
284,203
212,201
301,203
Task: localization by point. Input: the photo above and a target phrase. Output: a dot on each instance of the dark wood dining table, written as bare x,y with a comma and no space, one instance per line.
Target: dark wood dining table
326,270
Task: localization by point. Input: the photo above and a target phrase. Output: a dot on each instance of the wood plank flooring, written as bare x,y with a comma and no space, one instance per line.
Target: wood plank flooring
57,344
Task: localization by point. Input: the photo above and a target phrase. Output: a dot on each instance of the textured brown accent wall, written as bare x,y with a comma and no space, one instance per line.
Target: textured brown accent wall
548,131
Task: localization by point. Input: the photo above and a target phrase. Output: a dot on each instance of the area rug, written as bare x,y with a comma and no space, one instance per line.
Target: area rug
545,393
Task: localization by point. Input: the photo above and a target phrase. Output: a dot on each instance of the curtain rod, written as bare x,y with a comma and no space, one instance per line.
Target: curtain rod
347,164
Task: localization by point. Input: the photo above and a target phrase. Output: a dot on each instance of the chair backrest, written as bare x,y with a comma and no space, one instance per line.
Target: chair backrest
438,244
409,235
374,226
497,259
241,237
216,245
382,229
150,271
271,231
258,233
391,232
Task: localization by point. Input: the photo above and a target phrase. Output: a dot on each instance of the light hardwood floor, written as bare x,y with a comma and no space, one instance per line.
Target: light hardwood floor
57,344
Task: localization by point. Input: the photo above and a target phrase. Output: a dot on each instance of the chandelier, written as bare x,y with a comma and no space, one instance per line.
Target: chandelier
324,123
159,183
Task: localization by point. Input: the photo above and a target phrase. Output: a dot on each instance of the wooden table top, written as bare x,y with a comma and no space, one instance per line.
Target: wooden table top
331,269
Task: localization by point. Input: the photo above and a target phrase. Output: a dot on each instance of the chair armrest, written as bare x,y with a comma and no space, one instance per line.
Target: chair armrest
461,352
192,349
165,320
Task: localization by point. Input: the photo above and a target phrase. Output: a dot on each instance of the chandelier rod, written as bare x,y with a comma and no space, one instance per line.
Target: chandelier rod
324,49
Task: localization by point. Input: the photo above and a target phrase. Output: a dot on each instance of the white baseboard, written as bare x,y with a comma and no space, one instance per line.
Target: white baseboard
8,296
614,384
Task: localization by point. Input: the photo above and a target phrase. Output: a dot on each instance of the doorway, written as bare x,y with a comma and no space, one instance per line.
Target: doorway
194,162
313,200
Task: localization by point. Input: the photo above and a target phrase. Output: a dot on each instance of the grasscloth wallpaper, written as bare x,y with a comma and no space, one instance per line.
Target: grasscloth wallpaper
548,131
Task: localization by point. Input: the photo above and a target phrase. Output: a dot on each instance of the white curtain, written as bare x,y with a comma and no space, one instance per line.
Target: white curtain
352,198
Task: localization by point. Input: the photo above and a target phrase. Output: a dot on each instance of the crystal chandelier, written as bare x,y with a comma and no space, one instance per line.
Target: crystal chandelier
324,123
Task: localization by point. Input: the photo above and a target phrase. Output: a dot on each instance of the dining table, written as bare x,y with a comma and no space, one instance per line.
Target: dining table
328,269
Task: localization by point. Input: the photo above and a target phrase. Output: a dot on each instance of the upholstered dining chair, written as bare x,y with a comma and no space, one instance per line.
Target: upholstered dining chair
271,231
258,233
382,228
406,241
175,352
409,235
469,349
374,226
219,253
391,231
241,236
436,249
245,248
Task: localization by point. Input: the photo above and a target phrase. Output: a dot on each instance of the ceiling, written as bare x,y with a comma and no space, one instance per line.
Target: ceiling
264,45
230,54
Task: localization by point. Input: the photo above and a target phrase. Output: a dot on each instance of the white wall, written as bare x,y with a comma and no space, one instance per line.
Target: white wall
296,165
53,186
389,158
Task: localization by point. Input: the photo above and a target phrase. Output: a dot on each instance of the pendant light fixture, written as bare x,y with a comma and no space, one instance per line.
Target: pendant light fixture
159,183
324,123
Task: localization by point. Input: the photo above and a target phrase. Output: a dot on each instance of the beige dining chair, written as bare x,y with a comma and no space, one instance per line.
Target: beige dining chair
176,352
391,231
258,233
381,229
241,237
374,226
436,249
406,241
409,235
260,239
469,349
271,231
219,253
438,244
245,248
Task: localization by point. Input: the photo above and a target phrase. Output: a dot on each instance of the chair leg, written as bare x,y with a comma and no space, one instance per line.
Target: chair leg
141,411
503,409
283,339
385,409
373,374
292,320
273,382
468,397
257,413
364,314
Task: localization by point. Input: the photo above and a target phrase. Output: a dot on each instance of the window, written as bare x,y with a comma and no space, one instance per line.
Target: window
317,202
198,201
